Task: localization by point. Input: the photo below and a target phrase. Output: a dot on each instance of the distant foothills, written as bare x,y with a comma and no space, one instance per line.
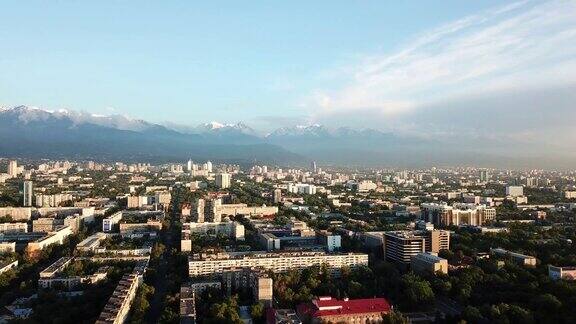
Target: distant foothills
31,132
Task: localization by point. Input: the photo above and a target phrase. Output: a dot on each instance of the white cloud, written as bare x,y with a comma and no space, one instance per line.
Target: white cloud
525,46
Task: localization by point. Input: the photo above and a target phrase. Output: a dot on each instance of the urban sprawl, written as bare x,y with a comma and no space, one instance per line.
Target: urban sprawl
90,242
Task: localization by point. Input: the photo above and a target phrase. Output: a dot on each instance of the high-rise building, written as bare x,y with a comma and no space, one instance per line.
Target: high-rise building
223,180
484,175
401,246
514,191
302,188
314,167
209,166
13,169
277,196
532,182
215,212
27,189
199,210
189,165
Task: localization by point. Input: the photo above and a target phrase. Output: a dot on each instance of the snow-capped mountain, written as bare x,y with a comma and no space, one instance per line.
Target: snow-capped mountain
214,128
28,114
300,130
219,127
34,132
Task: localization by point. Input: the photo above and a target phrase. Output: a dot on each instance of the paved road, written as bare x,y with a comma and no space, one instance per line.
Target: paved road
160,286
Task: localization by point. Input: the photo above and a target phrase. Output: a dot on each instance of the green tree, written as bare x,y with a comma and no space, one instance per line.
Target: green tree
416,291
394,318
257,311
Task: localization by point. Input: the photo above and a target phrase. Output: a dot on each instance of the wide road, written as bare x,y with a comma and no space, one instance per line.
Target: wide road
160,284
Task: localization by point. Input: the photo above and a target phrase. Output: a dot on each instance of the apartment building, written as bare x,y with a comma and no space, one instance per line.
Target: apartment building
92,242
199,265
213,210
149,226
55,200
521,259
163,197
255,279
118,306
458,214
138,201
56,237
401,246
50,224
109,222
14,227
187,305
331,241
423,263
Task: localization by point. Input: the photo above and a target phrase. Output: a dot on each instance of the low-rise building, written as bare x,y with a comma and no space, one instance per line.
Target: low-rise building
187,305
423,263
521,259
8,265
149,226
14,227
118,306
56,237
331,310
92,242
9,247
562,273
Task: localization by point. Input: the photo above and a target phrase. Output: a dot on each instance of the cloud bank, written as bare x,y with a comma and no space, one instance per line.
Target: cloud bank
507,73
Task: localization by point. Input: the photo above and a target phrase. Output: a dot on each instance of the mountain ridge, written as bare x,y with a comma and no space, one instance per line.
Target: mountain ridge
34,132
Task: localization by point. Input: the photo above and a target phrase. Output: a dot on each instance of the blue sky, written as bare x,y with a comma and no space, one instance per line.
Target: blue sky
382,64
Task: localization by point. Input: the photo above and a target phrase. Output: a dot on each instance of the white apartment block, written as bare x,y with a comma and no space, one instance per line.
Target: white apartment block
109,222
457,214
277,262
223,180
366,185
55,200
514,191
302,188
56,237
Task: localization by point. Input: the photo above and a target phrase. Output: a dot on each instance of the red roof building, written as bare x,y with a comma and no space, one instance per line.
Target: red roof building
328,309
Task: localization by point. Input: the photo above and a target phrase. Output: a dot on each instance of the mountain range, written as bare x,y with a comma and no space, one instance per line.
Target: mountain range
35,133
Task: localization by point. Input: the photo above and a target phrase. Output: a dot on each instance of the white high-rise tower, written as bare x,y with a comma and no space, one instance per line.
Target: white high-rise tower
27,188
